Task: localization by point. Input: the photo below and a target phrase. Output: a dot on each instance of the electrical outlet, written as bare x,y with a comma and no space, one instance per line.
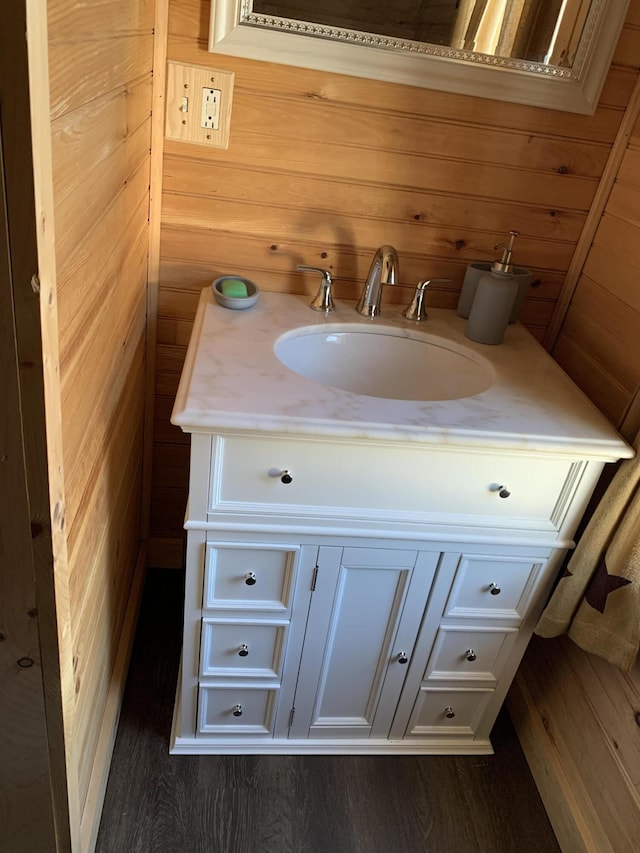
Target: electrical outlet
198,104
211,108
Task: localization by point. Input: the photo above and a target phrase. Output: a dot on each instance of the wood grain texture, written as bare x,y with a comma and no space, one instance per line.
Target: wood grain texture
276,804
26,807
576,714
95,61
323,168
602,316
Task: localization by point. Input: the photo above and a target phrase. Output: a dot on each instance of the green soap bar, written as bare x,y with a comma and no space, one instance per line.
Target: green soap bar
234,287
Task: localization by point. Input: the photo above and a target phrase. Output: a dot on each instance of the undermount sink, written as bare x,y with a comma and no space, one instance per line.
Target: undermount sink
384,361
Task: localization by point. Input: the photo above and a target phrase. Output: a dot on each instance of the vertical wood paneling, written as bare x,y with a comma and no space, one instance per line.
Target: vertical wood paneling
322,168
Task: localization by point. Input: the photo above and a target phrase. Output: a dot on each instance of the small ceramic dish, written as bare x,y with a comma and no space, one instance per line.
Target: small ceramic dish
235,302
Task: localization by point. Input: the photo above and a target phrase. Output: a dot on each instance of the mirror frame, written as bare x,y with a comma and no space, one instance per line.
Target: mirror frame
235,31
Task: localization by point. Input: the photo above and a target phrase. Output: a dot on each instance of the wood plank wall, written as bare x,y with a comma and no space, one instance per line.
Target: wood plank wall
100,80
322,168
599,342
576,715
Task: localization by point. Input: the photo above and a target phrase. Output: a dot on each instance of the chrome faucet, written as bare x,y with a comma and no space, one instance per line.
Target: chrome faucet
384,270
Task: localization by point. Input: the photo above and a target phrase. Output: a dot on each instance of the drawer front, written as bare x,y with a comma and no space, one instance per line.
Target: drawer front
469,654
492,587
243,577
388,482
236,710
448,712
242,648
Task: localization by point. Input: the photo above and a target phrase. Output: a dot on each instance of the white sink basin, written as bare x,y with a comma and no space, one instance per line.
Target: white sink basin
384,361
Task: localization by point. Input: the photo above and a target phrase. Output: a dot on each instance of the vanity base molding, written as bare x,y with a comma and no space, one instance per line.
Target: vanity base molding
193,746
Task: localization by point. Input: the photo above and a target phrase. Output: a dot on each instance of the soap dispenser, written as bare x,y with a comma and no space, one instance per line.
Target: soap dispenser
494,299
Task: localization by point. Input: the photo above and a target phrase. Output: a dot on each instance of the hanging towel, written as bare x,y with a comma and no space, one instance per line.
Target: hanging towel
597,599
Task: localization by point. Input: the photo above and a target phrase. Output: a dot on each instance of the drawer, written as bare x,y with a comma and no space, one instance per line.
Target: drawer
448,711
487,586
242,648
246,577
388,482
236,710
469,654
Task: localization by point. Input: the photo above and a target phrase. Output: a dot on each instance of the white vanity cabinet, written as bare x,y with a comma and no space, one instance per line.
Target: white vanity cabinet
364,574
344,628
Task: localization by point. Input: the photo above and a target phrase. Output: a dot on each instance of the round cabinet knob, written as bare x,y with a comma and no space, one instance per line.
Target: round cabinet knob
504,492
494,589
284,475
250,578
470,655
244,650
449,713
237,711
403,657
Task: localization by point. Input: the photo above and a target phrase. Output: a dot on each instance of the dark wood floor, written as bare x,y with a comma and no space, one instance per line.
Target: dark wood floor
157,803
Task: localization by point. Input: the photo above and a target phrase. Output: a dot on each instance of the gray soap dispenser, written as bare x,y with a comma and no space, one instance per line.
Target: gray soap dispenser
494,299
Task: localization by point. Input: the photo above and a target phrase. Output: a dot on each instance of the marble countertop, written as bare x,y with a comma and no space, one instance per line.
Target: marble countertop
233,381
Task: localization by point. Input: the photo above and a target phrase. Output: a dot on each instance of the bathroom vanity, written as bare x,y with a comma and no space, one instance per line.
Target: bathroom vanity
363,573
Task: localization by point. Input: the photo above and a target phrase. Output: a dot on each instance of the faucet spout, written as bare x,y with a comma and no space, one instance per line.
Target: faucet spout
384,270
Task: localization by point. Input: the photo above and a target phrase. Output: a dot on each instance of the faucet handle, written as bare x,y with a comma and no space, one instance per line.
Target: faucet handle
323,300
417,310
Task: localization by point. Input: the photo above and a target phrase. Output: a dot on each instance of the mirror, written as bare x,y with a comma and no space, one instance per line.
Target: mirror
547,53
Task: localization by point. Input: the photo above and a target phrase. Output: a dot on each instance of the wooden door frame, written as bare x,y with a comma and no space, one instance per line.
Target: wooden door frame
34,570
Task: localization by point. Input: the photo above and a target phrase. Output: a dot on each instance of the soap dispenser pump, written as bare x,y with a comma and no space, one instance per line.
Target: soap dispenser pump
494,299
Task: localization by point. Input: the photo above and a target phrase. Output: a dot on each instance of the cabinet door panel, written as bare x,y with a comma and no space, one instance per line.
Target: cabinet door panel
365,613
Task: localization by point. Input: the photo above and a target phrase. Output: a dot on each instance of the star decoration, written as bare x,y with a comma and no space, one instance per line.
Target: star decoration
602,583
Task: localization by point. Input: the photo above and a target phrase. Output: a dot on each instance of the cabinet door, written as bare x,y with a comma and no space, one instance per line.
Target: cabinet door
364,617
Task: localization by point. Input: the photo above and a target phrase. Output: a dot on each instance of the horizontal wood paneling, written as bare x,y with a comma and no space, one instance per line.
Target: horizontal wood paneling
323,168
575,713
85,69
578,714
103,360
83,285
100,75
96,190
102,623
604,315
78,20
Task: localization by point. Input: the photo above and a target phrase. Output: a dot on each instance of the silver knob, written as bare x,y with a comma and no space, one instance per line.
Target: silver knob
284,474
244,650
250,578
237,711
449,713
403,657
494,589
470,655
